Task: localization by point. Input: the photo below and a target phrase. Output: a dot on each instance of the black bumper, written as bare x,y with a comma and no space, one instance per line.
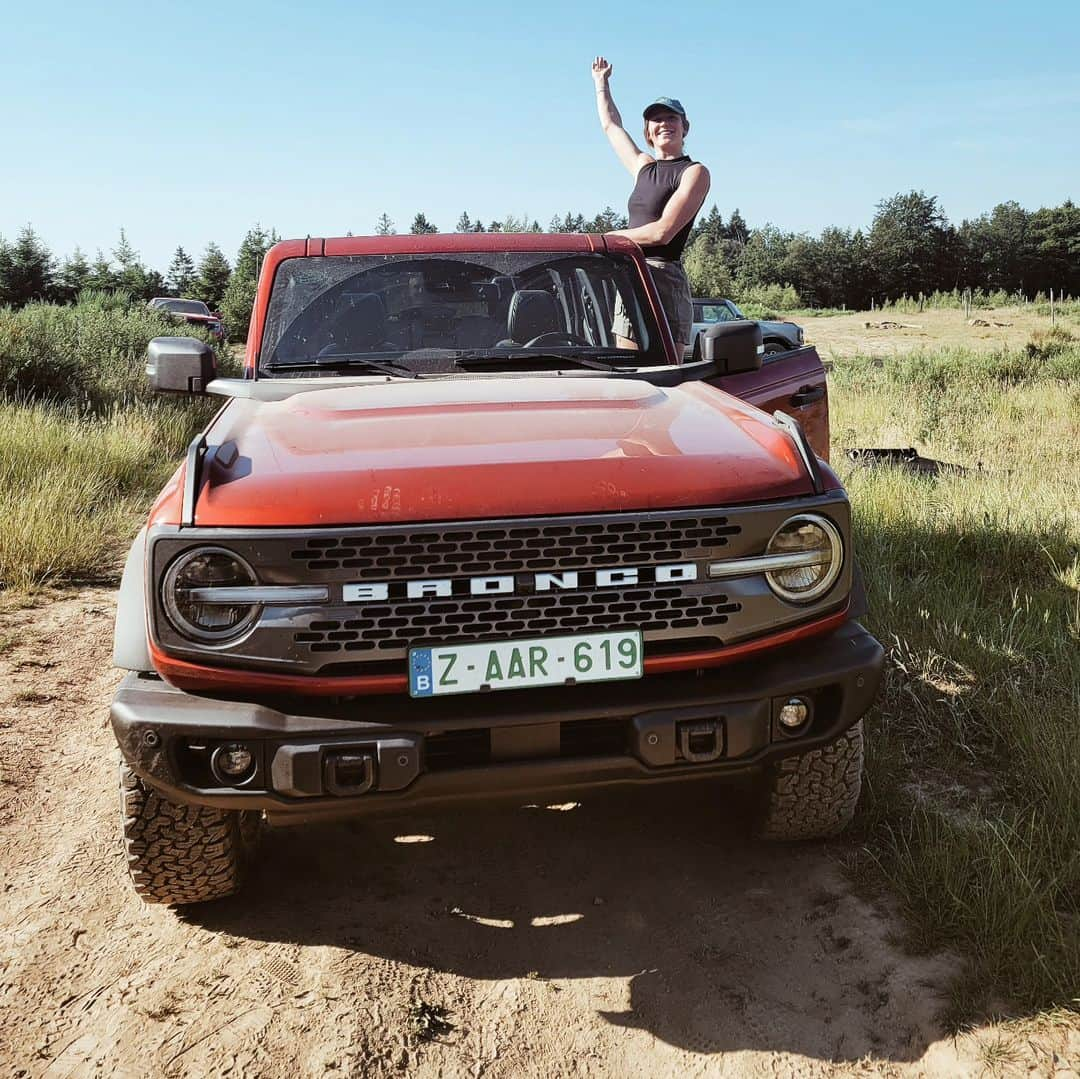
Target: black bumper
314,758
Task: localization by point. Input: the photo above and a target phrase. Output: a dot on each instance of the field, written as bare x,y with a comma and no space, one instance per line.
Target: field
839,335
941,936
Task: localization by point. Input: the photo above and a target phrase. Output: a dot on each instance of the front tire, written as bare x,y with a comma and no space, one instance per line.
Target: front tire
181,853
813,796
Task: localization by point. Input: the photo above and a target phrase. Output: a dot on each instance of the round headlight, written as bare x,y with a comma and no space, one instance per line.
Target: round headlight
188,594
816,551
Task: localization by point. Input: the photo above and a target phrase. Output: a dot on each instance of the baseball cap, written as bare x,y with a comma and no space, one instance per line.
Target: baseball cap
665,103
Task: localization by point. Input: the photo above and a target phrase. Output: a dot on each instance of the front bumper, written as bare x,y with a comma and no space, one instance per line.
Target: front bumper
319,758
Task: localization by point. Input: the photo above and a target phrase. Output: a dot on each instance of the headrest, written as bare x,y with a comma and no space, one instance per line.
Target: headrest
532,312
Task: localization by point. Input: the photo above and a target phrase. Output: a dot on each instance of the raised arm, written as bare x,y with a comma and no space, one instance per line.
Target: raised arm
611,121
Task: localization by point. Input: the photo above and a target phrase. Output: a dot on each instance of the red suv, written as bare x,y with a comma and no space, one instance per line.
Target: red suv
448,537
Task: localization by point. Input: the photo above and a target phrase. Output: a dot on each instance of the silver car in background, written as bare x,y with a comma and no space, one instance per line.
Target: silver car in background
775,336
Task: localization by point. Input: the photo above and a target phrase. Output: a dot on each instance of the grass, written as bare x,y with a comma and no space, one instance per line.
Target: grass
84,446
972,805
73,487
971,810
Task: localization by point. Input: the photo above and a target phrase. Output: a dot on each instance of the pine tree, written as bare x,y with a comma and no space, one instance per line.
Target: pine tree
737,228
73,277
132,277
181,273
5,272
384,226
239,298
421,226
28,270
464,224
102,275
212,277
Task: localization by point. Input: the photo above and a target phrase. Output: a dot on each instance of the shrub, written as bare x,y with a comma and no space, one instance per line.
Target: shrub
767,301
91,353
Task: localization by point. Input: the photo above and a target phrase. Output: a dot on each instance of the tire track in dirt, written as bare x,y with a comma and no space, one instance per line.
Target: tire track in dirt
637,935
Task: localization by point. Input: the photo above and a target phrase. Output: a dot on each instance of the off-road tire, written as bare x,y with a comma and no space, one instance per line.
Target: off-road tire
813,796
180,853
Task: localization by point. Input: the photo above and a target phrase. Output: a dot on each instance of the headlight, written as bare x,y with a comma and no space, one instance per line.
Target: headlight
814,547
188,594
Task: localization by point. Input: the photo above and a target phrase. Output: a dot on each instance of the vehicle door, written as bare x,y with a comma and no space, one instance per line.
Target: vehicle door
791,382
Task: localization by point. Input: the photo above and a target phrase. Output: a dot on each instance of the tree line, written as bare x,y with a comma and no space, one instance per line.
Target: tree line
909,248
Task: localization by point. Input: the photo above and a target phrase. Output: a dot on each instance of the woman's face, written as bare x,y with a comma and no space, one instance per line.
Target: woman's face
666,130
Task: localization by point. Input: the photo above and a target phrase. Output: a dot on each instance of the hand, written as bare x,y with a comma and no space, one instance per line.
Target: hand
601,71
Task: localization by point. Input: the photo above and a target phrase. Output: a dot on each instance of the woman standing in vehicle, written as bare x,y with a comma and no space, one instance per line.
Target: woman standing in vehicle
668,192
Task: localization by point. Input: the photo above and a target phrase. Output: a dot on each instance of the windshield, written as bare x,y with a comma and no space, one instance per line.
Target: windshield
186,307
445,312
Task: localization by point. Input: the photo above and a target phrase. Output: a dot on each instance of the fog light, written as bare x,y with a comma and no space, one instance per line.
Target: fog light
232,761
794,713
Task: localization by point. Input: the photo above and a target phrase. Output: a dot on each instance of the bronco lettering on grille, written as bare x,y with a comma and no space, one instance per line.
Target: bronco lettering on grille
508,584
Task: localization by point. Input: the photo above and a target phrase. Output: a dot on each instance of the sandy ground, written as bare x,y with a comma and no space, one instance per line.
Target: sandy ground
631,937
847,335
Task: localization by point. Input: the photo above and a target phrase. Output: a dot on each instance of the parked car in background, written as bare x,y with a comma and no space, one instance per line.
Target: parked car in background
194,312
775,336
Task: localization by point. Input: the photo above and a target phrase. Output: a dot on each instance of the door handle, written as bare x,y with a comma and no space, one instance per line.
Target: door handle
807,395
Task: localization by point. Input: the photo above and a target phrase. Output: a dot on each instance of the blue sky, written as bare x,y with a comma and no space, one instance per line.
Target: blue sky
184,124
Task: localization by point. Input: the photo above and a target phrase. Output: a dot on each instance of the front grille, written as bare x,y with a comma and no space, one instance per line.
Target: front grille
461,551
349,634
396,626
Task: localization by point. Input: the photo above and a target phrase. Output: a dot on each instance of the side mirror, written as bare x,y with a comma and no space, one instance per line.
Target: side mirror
735,347
180,365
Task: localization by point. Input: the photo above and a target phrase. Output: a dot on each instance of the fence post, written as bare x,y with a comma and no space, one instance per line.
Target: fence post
1053,316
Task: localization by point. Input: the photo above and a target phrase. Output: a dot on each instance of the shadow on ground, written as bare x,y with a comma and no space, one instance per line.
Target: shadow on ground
726,944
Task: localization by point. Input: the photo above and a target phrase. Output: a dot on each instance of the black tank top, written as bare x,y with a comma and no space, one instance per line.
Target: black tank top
655,184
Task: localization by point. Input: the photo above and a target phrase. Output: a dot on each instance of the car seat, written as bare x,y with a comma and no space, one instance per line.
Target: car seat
360,326
532,312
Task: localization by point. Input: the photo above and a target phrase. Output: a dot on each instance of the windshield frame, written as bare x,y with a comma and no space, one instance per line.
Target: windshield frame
567,266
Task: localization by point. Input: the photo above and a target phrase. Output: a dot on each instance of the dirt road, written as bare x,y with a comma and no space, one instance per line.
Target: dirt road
626,937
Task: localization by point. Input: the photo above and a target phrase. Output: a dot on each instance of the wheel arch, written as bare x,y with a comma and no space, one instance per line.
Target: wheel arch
131,650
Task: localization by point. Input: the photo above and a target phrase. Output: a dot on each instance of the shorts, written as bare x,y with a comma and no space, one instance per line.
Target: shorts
674,291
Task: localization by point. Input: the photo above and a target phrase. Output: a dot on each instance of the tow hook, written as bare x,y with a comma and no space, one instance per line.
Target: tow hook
700,740
346,774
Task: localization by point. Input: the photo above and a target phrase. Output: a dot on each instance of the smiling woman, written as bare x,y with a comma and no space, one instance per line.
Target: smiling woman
668,192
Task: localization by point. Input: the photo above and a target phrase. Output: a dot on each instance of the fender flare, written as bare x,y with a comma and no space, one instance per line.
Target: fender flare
130,648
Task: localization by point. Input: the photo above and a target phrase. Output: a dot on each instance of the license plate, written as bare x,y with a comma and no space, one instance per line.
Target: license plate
539,661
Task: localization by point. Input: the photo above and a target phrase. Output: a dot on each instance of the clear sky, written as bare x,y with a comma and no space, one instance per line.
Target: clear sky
189,123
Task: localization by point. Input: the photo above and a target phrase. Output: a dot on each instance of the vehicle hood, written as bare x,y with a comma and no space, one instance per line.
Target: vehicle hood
489,447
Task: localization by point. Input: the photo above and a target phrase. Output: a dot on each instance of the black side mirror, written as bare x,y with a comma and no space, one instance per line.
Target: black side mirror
735,347
180,365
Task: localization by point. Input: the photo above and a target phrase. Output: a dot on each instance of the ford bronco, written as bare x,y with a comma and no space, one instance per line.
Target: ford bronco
445,539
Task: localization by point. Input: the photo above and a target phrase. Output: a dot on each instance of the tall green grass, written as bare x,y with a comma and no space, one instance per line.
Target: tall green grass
73,486
972,806
84,446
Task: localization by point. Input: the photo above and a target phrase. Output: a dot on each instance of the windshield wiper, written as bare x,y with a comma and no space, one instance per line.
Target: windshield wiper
487,358
345,360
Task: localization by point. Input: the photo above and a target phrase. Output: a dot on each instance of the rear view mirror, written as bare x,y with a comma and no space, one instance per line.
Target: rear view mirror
735,347
180,365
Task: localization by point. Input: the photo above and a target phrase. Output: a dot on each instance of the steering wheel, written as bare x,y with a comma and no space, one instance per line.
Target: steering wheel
552,336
